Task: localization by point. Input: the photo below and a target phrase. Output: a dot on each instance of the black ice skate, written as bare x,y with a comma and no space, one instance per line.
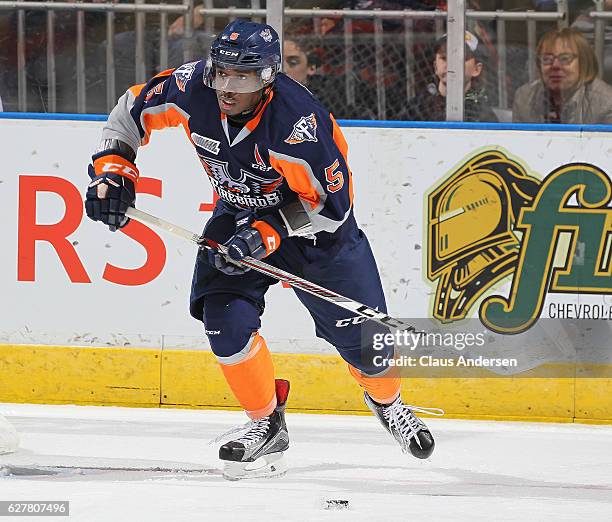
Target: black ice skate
259,451
400,421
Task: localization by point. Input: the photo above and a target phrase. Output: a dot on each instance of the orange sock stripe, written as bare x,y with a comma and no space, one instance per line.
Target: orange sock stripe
252,380
263,412
384,389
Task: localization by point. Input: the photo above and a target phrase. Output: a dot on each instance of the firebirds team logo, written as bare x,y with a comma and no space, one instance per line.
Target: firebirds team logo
249,191
183,74
305,129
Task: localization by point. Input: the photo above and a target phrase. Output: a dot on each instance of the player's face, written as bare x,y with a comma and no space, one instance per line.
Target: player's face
559,66
295,63
234,103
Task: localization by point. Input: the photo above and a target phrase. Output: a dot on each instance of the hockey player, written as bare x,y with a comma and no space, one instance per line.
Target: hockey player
278,161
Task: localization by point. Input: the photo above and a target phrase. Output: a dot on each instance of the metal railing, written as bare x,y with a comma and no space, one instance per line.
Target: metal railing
140,9
81,8
408,16
600,18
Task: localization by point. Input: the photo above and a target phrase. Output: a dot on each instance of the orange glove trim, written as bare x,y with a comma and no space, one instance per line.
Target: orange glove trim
117,165
271,238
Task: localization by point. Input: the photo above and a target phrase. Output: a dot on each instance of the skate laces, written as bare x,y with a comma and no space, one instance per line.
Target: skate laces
402,420
254,430
258,430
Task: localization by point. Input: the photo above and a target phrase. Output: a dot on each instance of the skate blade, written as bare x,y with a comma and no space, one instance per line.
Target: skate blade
267,466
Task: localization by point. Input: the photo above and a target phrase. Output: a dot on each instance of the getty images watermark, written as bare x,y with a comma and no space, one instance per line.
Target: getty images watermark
407,345
575,348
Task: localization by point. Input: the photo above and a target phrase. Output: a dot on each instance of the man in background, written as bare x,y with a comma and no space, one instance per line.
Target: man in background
300,62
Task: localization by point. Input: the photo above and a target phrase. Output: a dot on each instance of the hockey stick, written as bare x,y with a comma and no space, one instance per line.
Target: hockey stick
276,273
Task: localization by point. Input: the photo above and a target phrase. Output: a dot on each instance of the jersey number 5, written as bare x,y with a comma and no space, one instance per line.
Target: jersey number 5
335,178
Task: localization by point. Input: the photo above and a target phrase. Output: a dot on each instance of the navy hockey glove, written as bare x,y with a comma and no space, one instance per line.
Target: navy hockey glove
221,263
111,190
256,239
248,240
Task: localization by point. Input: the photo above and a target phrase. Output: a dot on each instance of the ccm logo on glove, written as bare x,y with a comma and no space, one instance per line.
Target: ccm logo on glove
117,165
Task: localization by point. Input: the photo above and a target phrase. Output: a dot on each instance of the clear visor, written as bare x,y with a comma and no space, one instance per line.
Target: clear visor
232,78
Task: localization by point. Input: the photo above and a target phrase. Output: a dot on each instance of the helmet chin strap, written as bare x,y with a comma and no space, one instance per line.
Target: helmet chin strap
241,119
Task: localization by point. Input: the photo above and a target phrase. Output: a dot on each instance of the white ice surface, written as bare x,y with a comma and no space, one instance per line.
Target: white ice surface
479,471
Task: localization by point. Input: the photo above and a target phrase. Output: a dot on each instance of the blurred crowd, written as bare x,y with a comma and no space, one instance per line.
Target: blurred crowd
379,76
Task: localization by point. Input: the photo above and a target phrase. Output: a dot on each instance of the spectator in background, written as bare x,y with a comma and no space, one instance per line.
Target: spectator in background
300,62
431,104
568,90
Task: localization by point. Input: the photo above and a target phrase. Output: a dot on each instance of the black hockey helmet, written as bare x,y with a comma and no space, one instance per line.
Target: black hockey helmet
243,47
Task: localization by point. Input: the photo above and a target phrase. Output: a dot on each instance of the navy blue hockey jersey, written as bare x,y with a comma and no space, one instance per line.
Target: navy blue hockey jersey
292,151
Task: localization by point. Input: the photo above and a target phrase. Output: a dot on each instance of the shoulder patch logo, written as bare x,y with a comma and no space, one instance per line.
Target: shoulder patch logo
208,144
305,129
183,74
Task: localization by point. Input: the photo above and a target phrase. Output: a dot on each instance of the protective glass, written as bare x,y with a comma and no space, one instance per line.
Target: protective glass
549,59
233,78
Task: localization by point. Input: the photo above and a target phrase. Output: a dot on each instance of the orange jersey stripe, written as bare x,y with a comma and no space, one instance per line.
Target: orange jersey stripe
298,179
137,89
251,124
167,72
342,145
339,139
170,117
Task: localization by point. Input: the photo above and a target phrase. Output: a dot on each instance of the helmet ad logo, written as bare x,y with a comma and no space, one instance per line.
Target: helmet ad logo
234,36
489,220
266,74
266,35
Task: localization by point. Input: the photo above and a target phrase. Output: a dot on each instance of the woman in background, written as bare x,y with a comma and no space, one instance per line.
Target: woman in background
568,90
